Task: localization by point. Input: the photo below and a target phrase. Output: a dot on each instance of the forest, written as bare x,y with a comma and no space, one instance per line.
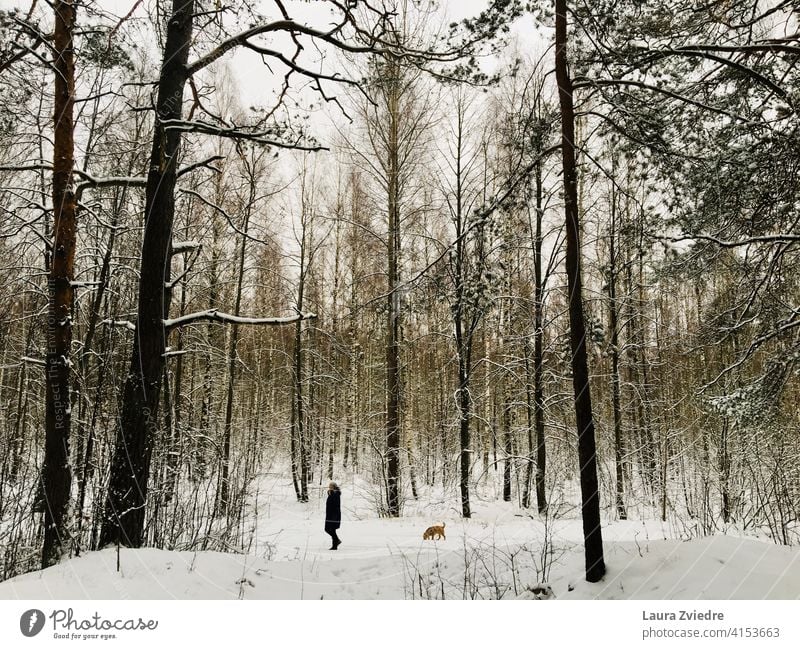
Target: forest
528,260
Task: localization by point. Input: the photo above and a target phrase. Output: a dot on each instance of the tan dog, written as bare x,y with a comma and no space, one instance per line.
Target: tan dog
437,530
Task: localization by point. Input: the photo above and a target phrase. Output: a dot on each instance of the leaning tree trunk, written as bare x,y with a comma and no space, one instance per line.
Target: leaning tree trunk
587,453
55,469
124,514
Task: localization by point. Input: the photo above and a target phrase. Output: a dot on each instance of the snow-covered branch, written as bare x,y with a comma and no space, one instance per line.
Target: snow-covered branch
127,324
723,243
90,180
202,163
185,246
107,181
179,247
174,352
213,315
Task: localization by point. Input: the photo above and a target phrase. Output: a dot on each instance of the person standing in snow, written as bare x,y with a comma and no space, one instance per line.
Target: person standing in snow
333,514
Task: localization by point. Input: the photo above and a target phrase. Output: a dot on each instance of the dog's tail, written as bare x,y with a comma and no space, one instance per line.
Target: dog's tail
442,524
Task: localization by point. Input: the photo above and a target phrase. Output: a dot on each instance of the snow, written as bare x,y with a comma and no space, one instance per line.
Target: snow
497,554
216,315
120,323
185,246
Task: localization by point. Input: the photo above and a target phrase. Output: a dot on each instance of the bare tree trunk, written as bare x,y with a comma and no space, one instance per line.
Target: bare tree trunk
293,446
508,448
725,471
393,304
224,486
465,408
538,348
124,513
587,453
56,477
300,460
619,448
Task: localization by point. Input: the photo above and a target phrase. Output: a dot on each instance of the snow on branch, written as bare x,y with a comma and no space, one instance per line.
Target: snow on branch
214,315
202,163
89,180
723,243
174,352
107,181
185,246
126,324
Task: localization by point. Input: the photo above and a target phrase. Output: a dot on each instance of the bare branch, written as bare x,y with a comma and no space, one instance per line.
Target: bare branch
236,133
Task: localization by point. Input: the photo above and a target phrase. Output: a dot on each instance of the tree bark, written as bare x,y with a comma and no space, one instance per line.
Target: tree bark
619,449
56,476
126,500
508,446
464,322
393,302
300,459
587,459
224,483
538,350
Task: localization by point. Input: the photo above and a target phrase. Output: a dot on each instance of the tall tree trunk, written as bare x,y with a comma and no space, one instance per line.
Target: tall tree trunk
465,408
124,512
508,446
393,310
725,471
587,458
463,335
538,348
529,409
224,482
56,477
85,458
175,456
300,460
619,448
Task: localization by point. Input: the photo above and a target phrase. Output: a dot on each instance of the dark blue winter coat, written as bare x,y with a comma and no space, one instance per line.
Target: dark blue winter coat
333,511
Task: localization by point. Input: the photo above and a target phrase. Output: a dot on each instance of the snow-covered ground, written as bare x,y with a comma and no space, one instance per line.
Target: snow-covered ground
499,553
